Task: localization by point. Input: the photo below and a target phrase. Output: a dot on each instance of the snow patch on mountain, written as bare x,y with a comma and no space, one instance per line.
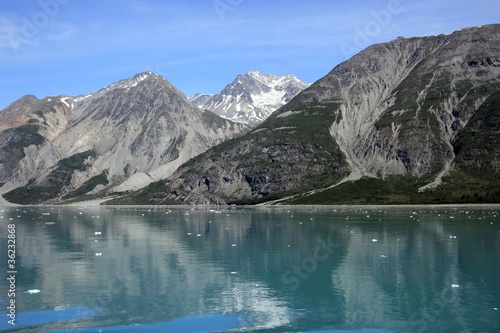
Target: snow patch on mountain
251,97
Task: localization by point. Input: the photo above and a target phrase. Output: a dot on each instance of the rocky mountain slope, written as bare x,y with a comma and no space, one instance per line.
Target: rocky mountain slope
413,120
122,138
251,97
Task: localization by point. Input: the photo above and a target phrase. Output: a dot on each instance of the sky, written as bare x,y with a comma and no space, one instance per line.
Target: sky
72,47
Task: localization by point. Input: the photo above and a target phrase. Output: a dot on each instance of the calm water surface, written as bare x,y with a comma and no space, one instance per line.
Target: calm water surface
252,270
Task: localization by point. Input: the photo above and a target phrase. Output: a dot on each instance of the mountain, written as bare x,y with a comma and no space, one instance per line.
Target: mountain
125,136
200,99
251,97
414,120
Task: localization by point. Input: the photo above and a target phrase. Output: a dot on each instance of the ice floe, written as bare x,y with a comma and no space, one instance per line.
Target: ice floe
32,291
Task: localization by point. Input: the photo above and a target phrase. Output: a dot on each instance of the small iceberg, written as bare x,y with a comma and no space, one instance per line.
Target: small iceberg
32,291
97,233
455,285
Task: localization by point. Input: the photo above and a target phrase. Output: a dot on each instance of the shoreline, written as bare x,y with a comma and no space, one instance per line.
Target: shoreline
97,203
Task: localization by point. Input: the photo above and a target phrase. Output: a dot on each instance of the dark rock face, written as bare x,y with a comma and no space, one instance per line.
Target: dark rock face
477,146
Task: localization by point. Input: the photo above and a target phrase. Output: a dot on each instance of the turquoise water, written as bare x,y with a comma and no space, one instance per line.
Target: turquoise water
370,270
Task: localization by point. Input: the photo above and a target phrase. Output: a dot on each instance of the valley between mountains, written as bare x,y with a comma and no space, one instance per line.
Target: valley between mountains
413,120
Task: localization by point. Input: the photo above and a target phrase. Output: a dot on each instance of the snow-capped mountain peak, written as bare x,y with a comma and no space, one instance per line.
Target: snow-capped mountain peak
252,96
132,82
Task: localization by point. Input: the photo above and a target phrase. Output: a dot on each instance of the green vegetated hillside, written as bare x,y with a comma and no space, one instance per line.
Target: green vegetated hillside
474,177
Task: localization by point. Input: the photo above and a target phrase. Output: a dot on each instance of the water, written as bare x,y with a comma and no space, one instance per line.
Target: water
149,269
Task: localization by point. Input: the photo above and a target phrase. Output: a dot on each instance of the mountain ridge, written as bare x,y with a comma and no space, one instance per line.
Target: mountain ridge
122,137
388,125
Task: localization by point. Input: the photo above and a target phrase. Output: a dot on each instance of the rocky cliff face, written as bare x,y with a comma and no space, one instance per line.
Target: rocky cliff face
412,107
121,138
251,97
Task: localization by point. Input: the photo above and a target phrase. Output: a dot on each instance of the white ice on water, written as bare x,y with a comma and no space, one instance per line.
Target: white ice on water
33,291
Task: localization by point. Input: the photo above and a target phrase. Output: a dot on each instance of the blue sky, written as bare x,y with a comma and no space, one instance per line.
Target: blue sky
71,47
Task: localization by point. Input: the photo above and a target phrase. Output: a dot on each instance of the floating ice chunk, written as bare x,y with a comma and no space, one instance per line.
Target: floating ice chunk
455,285
233,273
190,233
383,256
374,240
199,235
454,237
96,241
97,233
98,254
33,291
496,309
233,245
